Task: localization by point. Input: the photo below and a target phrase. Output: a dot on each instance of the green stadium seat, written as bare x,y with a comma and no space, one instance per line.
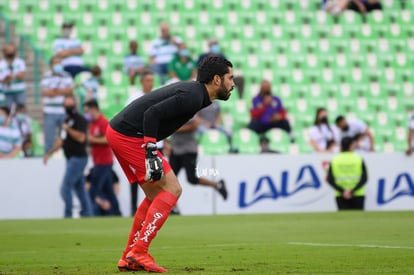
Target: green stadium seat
213,142
245,141
279,140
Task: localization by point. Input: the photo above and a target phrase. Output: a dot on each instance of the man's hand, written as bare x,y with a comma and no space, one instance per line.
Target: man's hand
267,100
347,194
46,158
408,151
153,163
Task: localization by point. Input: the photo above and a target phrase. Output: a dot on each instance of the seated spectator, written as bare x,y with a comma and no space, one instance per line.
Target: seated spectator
147,84
12,73
91,85
134,64
70,51
24,124
358,130
10,139
55,85
268,111
323,137
182,66
162,52
210,118
336,7
213,50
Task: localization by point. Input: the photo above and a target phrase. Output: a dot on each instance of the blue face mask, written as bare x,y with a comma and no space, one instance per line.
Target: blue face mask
184,53
215,49
88,117
58,68
2,119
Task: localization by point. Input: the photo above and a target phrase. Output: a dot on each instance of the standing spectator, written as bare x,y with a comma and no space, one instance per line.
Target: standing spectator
162,51
410,139
184,149
55,85
182,67
73,142
147,84
323,137
24,124
12,73
210,118
102,158
91,85
347,174
213,50
70,51
268,111
10,140
133,63
358,130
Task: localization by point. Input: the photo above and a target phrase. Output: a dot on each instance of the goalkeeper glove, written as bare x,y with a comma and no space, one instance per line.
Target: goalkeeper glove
153,163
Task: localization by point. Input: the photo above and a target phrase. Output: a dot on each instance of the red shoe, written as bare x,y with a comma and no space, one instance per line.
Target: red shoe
124,266
146,261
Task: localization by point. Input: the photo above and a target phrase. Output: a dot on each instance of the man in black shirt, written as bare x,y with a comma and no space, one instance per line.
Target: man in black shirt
132,136
73,142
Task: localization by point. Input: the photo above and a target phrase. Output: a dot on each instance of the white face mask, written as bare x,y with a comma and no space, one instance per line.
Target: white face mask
66,33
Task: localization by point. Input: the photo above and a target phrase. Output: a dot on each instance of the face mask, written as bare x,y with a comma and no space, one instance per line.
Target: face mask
88,117
66,33
324,120
58,68
2,119
70,110
346,128
184,53
215,49
10,55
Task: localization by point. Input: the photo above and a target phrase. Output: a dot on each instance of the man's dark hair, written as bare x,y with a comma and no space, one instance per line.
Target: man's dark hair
211,66
339,119
96,70
346,143
92,103
20,106
5,109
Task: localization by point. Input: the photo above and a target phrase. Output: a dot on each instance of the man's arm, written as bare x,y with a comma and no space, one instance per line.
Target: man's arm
360,6
331,181
188,127
77,135
363,180
70,52
370,136
16,149
58,144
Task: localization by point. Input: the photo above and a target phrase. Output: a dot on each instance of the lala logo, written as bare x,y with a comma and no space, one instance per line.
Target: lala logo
403,186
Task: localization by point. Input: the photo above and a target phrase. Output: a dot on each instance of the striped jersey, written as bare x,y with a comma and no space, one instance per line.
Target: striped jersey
54,105
17,66
163,50
133,61
9,138
65,44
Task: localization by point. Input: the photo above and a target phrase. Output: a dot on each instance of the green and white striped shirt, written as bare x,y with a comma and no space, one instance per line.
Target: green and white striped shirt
17,66
9,138
54,105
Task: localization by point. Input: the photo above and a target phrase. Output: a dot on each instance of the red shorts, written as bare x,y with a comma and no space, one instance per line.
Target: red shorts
131,155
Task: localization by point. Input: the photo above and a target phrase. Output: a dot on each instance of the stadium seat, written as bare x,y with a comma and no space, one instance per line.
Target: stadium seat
279,140
213,142
245,141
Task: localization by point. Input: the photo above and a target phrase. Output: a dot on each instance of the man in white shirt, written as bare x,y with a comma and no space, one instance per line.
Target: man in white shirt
410,140
10,139
55,85
357,129
70,51
147,84
162,52
12,73
133,63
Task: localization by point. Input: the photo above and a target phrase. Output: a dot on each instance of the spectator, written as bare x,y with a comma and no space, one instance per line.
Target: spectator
73,142
55,85
162,51
24,124
347,174
182,67
364,6
184,155
134,64
92,84
70,51
147,84
410,139
323,137
213,50
10,139
105,207
102,158
12,73
335,7
210,118
358,130
268,111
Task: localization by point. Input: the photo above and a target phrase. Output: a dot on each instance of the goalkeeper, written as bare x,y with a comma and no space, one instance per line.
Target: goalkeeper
132,135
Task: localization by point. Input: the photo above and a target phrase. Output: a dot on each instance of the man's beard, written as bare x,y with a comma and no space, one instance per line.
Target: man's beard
223,93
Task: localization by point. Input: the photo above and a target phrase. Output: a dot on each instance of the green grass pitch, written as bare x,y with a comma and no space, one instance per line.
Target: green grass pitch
323,243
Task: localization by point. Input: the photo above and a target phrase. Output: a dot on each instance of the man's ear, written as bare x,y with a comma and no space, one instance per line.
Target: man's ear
216,80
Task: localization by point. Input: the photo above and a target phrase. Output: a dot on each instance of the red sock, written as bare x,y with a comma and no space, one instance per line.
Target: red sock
139,219
157,214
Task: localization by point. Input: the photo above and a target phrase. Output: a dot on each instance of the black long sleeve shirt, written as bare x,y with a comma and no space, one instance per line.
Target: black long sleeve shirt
161,112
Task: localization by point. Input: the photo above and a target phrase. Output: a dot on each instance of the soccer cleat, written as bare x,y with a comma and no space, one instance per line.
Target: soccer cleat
146,261
126,266
222,189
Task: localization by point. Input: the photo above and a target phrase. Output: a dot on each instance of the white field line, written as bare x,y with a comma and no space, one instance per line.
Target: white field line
352,245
